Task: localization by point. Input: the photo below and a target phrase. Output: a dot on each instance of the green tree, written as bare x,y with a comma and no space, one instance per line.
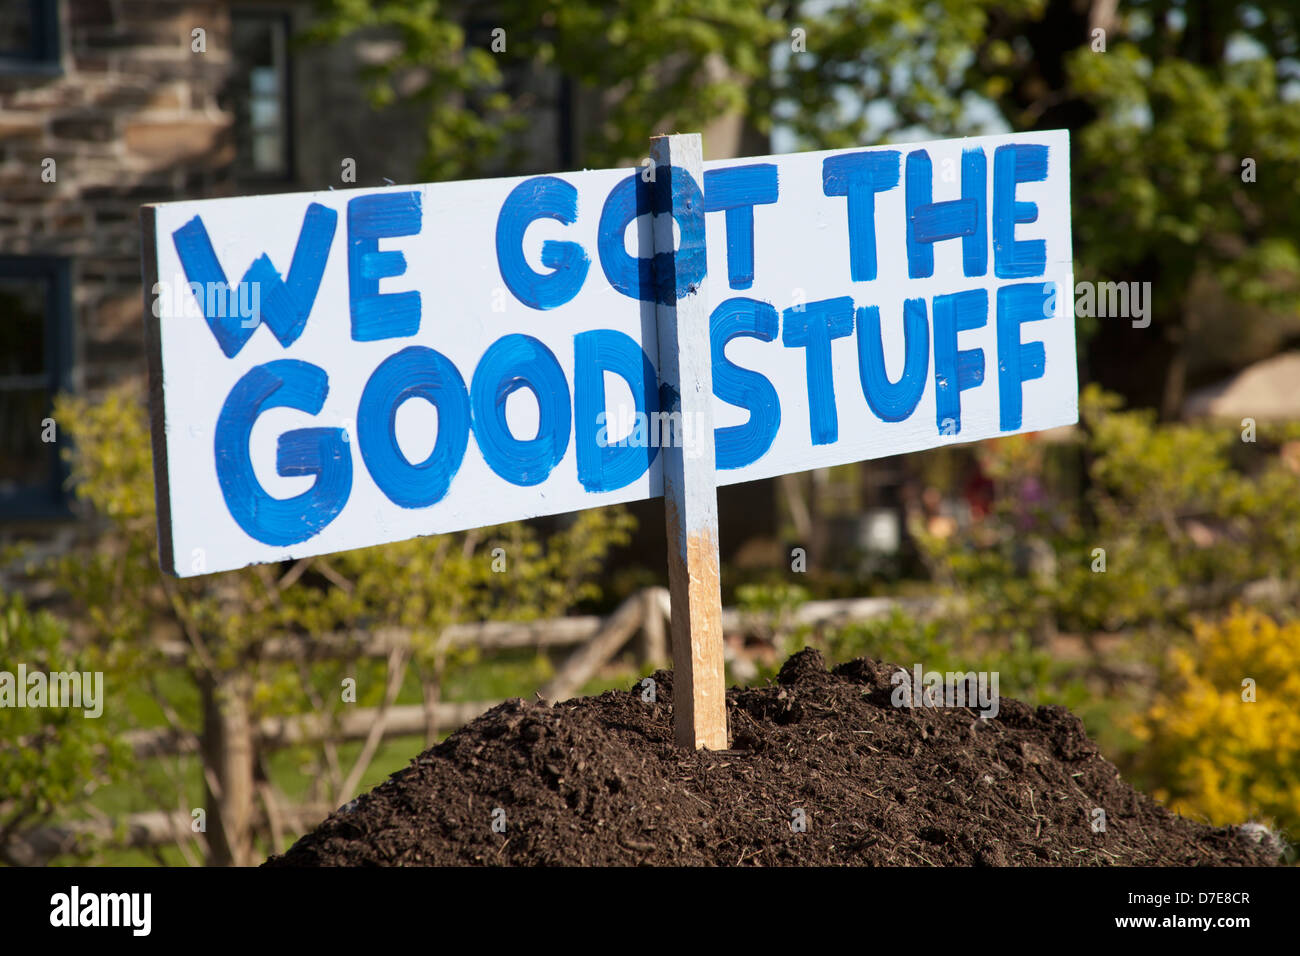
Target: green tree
1166,101
1172,104
653,63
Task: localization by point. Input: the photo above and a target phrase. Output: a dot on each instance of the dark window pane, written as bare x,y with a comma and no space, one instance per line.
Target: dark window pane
35,363
22,327
258,94
29,32
17,29
24,459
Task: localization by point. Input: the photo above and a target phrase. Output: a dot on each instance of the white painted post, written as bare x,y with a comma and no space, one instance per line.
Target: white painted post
690,481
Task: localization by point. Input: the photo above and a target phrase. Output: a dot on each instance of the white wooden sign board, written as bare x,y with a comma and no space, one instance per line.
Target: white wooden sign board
423,359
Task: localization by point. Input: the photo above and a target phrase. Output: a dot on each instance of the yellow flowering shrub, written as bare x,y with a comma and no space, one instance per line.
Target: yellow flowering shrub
1223,741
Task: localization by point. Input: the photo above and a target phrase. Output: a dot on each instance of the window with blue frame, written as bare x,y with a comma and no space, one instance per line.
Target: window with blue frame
35,365
29,35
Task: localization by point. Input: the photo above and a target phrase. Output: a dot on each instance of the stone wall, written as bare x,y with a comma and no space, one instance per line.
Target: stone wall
131,119
135,116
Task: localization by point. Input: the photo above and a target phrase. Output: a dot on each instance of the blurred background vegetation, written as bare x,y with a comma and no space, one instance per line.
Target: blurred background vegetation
1138,568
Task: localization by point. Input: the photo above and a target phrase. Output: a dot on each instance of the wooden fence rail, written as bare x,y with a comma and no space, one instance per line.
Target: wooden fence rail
557,632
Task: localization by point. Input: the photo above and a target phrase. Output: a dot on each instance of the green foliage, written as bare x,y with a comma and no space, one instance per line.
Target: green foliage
1189,517
1162,168
662,64
780,598
816,67
768,611
872,71
51,758
1026,672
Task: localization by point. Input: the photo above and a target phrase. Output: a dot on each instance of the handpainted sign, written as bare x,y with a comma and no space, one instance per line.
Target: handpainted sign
334,370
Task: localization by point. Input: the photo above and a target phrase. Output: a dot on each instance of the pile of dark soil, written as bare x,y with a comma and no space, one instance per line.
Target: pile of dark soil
598,781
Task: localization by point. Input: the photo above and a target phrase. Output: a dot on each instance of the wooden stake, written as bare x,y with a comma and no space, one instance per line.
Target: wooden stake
690,486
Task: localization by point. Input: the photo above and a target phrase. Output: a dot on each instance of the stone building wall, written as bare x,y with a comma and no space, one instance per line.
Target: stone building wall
131,118
136,116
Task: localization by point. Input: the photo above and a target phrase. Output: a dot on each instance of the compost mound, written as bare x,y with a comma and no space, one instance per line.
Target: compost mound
598,781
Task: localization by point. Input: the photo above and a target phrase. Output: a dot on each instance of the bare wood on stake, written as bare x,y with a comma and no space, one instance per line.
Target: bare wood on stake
690,479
